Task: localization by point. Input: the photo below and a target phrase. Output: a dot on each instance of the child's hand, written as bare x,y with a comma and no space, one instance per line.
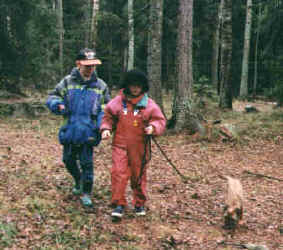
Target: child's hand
105,134
61,107
149,130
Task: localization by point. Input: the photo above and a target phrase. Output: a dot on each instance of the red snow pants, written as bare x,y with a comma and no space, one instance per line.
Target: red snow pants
127,154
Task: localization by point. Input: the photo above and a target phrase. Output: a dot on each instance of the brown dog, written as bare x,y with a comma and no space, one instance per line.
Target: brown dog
233,211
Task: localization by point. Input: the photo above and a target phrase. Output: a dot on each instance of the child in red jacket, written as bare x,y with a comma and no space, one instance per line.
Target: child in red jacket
133,117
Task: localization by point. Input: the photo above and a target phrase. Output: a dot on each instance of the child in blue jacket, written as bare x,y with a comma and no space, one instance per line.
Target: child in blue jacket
80,97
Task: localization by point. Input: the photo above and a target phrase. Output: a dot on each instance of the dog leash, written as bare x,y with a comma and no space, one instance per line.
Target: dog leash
184,178
145,160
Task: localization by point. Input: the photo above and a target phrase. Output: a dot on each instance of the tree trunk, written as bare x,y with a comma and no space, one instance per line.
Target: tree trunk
61,35
256,50
87,7
131,48
183,90
225,101
93,28
110,64
215,52
154,59
125,58
246,51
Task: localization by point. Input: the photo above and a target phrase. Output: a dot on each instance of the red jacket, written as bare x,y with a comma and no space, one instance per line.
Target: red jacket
131,130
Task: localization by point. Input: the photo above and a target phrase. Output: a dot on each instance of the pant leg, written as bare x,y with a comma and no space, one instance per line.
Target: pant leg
69,158
136,153
119,175
139,192
86,162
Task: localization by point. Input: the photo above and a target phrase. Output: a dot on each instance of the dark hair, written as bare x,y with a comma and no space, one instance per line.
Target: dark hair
135,77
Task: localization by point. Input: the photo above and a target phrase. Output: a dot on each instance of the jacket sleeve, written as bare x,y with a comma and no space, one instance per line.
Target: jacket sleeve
157,120
56,97
108,117
105,93
104,100
100,114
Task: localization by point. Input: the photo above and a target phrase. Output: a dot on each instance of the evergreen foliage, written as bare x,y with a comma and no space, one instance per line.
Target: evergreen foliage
29,52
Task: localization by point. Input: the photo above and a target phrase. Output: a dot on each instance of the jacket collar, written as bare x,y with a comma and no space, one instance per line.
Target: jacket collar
76,76
140,101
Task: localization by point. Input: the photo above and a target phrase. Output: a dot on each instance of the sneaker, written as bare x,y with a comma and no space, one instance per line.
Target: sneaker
118,212
76,191
86,201
140,211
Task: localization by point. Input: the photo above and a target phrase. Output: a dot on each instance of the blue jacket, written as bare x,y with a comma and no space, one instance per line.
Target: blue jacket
84,101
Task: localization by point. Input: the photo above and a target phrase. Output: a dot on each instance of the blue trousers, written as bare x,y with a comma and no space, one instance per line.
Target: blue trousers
82,174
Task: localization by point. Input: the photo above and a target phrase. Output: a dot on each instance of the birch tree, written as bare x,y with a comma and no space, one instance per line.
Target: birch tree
131,48
225,100
246,51
154,61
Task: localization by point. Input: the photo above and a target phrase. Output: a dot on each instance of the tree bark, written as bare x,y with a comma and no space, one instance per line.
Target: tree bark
154,60
225,100
246,51
182,109
215,52
131,34
93,28
256,50
61,35
87,7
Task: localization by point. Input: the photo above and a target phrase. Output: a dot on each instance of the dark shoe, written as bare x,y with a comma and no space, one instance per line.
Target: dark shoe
140,211
118,212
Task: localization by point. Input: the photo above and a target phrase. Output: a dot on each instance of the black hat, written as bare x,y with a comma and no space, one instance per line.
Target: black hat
135,77
87,57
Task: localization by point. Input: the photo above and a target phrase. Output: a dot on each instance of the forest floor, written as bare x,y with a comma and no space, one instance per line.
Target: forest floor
38,211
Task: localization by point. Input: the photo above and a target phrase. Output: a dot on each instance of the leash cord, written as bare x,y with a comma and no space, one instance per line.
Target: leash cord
168,160
147,144
145,161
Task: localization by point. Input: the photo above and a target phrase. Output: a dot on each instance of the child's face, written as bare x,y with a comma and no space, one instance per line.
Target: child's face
86,70
135,90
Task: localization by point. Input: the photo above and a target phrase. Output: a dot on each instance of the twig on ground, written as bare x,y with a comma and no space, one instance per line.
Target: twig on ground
262,175
245,246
